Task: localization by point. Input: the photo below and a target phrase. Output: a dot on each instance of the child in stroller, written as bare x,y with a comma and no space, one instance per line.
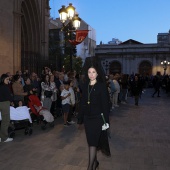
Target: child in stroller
20,119
41,113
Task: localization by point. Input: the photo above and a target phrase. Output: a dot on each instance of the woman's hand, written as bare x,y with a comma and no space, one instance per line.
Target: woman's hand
31,92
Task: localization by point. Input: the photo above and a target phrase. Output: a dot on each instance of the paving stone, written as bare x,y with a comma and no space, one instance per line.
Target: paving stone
140,140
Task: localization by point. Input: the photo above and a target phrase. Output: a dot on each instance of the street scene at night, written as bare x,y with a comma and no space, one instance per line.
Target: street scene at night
84,86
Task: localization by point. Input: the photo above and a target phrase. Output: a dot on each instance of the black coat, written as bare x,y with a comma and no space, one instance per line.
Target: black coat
5,93
90,115
99,102
136,88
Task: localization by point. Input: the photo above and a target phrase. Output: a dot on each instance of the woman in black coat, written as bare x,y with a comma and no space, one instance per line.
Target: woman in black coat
94,101
5,99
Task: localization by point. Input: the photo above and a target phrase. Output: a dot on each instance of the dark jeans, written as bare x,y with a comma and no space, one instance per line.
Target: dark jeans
5,122
157,90
69,119
53,109
136,99
124,95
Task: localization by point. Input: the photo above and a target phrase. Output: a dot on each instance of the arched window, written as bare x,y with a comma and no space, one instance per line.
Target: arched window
115,67
145,68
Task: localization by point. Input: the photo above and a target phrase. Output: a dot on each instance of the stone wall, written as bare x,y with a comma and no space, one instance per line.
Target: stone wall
6,36
130,56
11,26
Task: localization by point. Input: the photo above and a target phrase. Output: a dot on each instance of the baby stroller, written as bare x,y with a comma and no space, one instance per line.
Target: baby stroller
19,119
39,113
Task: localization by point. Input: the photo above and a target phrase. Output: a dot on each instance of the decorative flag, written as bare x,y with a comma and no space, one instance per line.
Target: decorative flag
80,36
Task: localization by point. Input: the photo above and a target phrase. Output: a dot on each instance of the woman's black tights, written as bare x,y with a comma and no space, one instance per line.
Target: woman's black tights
92,158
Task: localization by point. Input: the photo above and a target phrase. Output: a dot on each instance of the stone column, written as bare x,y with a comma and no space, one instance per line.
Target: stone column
44,28
6,36
125,64
132,67
17,35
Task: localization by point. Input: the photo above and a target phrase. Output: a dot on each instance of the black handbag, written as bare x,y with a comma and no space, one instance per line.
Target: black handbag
47,93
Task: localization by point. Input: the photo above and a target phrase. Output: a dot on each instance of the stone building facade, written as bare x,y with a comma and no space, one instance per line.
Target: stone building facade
133,57
87,47
24,34
84,49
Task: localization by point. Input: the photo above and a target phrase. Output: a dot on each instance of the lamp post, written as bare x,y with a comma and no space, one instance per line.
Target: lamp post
70,19
106,64
165,65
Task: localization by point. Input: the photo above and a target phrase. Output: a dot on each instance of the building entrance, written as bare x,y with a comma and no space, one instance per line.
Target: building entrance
145,68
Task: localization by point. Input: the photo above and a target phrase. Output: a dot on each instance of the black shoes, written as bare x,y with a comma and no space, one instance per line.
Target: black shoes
97,165
157,96
67,124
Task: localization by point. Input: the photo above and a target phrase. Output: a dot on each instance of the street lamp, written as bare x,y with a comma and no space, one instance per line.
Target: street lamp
69,18
165,65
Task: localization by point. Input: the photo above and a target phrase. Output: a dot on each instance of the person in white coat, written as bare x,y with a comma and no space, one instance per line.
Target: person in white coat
72,101
116,93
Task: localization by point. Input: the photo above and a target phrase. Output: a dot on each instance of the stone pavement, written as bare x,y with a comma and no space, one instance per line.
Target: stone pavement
140,140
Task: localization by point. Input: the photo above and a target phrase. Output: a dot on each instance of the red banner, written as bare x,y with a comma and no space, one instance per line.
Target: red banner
80,36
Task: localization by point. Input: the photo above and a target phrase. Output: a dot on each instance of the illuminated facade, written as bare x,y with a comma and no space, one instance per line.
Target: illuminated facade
24,34
133,57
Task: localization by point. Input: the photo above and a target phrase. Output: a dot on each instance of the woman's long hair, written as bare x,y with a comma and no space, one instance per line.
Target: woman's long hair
3,77
94,62
44,79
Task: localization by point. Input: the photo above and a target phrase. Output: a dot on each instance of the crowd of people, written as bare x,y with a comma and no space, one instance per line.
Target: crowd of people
122,86
58,90
49,87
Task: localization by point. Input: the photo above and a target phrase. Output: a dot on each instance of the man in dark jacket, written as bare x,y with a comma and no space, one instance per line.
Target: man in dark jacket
136,88
157,85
